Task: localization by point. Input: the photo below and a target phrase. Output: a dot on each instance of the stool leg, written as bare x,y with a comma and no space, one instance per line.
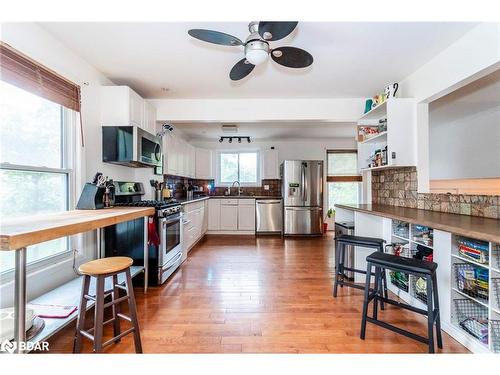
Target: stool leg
438,313
384,281
133,312
116,309
337,265
365,301
377,291
342,262
430,315
80,323
99,314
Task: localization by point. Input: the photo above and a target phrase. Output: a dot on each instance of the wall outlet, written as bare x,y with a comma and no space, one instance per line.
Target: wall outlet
266,187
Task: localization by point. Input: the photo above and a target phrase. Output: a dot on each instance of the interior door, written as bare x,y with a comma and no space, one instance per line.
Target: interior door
293,180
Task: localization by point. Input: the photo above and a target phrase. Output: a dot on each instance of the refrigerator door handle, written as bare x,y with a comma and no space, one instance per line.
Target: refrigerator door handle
304,194
303,208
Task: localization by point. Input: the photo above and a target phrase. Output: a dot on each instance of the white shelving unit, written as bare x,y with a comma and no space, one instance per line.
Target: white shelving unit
486,308
399,137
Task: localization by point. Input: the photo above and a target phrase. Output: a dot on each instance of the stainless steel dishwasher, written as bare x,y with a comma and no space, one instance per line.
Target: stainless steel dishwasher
269,216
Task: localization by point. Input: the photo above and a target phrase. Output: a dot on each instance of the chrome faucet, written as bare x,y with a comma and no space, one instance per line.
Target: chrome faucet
239,187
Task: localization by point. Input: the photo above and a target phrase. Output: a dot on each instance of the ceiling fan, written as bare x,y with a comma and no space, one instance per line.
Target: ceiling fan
257,47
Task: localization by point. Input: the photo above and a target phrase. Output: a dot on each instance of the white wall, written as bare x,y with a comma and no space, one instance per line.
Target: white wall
466,148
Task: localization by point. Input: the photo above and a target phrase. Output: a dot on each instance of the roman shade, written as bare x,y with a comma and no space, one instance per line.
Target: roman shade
21,71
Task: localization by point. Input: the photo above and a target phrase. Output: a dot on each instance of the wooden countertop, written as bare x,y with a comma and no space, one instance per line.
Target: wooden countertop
25,231
470,226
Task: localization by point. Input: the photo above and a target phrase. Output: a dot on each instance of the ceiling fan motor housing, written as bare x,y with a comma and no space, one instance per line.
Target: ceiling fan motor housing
256,51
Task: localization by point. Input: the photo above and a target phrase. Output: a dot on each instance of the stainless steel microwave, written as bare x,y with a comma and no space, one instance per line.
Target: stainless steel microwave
130,146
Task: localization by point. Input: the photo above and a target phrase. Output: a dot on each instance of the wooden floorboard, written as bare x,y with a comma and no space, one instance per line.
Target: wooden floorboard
259,295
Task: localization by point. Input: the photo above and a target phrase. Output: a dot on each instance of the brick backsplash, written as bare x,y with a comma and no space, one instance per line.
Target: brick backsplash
179,186
398,187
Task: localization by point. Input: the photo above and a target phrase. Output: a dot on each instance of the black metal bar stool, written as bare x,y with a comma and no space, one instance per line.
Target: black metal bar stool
100,269
416,267
340,268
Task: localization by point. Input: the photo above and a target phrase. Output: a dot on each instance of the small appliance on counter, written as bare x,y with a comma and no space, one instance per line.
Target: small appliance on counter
98,194
165,242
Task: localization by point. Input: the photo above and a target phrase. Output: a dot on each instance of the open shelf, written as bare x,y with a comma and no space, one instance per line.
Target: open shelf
375,113
69,295
471,318
380,137
469,261
481,302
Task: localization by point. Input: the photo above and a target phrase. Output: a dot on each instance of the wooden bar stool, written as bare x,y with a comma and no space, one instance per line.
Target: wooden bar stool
100,269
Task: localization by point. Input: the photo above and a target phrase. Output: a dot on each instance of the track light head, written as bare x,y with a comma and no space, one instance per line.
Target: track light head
221,139
230,140
239,140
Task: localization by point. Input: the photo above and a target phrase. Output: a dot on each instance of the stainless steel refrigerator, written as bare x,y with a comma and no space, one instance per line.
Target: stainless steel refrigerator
302,189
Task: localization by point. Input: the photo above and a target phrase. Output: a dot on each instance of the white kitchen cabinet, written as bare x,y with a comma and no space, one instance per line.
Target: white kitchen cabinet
193,224
204,225
203,164
214,214
121,106
170,157
246,214
192,161
229,214
270,164
149,118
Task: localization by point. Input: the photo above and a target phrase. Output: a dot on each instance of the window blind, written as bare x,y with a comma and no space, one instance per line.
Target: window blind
19,70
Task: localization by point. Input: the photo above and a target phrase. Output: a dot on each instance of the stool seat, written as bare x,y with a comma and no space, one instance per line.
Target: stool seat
105,266
402,264
360,241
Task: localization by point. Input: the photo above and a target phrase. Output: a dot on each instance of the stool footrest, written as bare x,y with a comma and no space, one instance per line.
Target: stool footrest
112,340
397,330
114,302
400,304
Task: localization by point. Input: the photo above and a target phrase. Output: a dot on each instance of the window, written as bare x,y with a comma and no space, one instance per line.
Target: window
238,166
34,170
344,182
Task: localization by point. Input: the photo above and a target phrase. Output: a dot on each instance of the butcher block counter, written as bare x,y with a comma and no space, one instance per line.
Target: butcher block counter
22,232
19,233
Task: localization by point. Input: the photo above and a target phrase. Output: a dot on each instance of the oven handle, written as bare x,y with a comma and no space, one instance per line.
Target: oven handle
177,257
170,221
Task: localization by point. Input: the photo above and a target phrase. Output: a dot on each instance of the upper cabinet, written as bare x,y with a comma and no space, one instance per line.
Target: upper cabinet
270,165
203,164
387,135
121,106
150,118
179,157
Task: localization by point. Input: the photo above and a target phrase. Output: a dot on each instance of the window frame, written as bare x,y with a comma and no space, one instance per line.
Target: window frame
68,158
342,178
218,181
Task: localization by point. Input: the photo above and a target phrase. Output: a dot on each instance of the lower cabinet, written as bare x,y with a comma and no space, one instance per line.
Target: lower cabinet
231,215
194,222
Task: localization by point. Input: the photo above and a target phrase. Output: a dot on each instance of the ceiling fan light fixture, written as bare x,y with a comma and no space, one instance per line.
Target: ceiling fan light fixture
256,51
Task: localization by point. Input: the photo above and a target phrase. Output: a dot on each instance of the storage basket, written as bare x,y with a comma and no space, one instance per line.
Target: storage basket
495,282
477,251
495,335
496,256
472,280
419,288
400,280
472,318
401,229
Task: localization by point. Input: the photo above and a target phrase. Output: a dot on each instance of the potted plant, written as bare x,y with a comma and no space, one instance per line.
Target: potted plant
330,213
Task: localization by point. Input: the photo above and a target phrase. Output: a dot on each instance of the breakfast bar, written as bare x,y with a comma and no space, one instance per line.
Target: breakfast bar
17,234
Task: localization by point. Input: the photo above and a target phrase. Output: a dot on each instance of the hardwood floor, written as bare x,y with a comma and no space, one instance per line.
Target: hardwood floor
264,295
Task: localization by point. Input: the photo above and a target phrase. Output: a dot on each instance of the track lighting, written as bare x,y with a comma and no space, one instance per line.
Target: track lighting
230,139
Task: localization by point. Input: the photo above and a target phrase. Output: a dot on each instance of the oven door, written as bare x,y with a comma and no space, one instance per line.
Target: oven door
170,240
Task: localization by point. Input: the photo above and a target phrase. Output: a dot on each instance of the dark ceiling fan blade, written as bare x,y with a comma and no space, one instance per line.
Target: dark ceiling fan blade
292,57
215,37
275,30
241,70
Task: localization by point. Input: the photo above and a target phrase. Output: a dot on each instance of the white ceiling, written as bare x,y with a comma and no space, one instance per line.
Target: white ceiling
271,130
350,59
479,96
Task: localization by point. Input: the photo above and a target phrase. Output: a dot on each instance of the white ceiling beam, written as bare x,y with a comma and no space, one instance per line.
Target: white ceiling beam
252,110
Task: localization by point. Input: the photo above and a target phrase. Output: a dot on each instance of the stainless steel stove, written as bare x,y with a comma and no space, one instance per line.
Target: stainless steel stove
165,245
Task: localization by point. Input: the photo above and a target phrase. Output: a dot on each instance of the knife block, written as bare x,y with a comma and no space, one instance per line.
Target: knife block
92,197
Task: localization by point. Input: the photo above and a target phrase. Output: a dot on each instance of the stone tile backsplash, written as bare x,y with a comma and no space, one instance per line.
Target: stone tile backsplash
398,187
